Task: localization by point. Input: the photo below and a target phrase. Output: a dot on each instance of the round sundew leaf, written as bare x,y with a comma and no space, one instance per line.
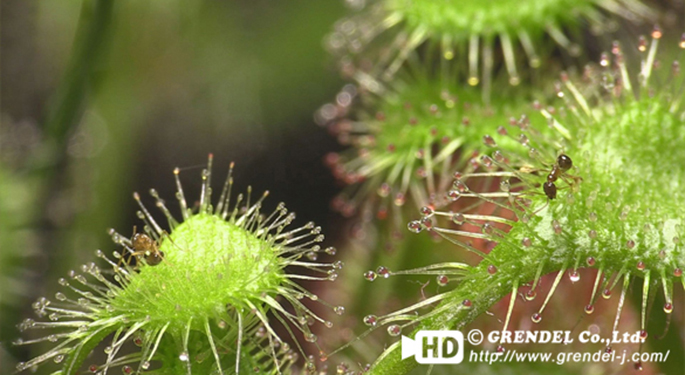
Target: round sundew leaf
381,38
194,299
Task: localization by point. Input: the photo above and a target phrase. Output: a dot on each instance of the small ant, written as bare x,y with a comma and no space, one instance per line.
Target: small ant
146,247
559,169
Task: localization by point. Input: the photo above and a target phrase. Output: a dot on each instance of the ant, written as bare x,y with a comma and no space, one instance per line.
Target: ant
559,169
145,246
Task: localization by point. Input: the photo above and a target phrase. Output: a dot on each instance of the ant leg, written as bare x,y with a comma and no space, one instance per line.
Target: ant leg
121,258
542,208
571,179
131,255
165,234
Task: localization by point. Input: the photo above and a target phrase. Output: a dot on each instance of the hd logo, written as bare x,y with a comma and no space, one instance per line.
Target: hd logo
434,347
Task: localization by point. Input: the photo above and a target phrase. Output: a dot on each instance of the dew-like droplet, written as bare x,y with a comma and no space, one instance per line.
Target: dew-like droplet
630,244
530,295
371,320
383,272
590,261
643,334
668,308
460,186
400,199
492,269
310,337
656,32
505,185
526,242
640,266
497,155
427,211
489,141
394,330
574,276
427,223
339,310
589,309
127,370
458,218
309,366
606,293
342,368
486,161
642,43
488,228
442,280
384,190
184,356
467,303
415,226
677,272
370,275
592,216
536,318
592,233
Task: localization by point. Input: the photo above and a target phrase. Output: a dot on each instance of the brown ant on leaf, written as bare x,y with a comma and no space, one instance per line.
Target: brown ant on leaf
562,165
143,246
559,171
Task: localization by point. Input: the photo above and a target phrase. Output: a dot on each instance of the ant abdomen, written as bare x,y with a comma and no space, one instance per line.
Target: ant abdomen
550,190
560,167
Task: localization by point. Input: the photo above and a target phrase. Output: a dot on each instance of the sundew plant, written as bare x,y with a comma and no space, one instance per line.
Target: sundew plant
194,298
498,165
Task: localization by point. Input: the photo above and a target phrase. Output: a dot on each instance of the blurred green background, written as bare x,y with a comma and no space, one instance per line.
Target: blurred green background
101,98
